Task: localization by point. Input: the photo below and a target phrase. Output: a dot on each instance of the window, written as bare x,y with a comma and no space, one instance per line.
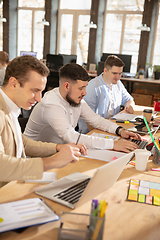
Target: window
1,28
30,33
121,35
31,3
73,35
76,4
156,56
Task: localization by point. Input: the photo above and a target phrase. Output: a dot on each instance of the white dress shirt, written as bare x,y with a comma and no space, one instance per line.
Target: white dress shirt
14,112
54,120
111,103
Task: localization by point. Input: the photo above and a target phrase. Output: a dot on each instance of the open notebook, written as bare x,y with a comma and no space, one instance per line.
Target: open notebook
76,189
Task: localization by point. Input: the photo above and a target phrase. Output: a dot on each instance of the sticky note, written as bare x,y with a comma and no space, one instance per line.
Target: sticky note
141,198
154,192
149,199
143,190
156,200
154,185
134,181
134,187
144,184
126,121
132,197
132,162
134,192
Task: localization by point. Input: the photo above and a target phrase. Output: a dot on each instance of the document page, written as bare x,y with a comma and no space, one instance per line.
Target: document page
24,213
103,155
126,116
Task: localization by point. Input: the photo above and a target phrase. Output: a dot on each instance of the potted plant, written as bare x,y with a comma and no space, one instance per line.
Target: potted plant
156,70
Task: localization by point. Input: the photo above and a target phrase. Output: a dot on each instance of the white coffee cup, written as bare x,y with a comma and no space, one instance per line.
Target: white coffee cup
141,158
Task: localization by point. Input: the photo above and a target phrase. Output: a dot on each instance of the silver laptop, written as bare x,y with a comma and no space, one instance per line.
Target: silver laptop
76,189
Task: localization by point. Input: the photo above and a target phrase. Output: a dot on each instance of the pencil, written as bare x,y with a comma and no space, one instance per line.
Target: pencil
78,137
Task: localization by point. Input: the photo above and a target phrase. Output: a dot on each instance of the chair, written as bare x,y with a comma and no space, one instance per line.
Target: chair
100,68
53,62
22,122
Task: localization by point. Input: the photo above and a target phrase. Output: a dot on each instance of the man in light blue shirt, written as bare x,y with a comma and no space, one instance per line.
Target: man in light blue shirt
106,92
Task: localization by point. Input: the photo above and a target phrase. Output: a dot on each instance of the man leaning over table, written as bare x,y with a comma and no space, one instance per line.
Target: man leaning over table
54,119
106,93
24,82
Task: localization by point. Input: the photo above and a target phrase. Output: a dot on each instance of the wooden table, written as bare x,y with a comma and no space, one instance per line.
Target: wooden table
124,220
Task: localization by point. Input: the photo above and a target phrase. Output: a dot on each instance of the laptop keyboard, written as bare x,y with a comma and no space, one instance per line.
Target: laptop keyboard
73,194
141,143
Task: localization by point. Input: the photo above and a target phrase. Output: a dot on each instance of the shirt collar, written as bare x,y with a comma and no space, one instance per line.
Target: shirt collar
109,86
64,101
12,107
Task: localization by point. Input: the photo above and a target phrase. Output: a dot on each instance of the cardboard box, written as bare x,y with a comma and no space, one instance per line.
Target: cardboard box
141,99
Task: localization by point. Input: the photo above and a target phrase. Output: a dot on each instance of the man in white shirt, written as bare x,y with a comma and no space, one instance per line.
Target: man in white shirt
54,119
24,82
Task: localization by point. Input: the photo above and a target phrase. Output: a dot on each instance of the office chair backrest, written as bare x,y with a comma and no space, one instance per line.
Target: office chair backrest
71,58
54,62
100,68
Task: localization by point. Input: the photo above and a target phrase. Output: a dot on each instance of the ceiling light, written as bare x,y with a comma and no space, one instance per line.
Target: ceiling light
3,19
44,22
91,25
144,27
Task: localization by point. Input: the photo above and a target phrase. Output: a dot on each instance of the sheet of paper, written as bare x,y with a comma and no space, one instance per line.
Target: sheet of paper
24,213
126,116
102,135
48,177
103,155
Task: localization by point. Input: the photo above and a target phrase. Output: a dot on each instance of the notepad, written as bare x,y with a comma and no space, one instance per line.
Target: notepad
48,177
144,192
25,213
102,135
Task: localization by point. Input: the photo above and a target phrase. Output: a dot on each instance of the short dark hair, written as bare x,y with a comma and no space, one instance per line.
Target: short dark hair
20,68
4,57
73,71
113,60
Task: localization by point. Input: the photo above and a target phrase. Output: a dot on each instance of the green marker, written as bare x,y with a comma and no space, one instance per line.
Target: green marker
151,134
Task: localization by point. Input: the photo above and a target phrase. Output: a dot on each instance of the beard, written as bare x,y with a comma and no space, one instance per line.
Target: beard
71,101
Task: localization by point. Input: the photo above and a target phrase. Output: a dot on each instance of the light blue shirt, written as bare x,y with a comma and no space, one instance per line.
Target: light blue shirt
98,99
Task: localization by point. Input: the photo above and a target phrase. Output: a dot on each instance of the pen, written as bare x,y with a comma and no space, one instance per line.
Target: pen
125,121
78,137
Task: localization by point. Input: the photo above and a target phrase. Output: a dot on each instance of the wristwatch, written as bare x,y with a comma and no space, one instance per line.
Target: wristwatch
119,130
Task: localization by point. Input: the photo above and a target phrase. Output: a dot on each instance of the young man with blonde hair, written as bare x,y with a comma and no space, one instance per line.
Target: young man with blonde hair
106,93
